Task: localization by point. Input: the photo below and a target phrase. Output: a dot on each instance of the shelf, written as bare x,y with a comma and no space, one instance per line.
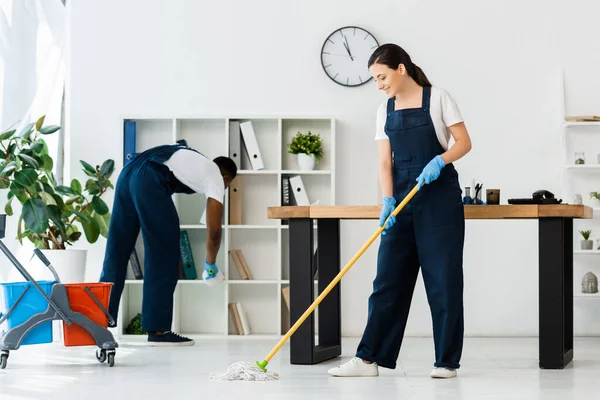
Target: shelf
583,167
587,252
582,123
587,296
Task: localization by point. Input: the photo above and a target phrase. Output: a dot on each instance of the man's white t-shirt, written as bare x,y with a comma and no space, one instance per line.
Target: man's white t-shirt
444,113
198,173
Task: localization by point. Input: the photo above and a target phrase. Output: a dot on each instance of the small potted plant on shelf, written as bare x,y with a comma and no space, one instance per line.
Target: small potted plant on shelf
308,147
595,195
586,243
50,213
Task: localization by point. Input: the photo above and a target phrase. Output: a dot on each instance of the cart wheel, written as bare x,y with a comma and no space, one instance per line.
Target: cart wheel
3,360
111,359
101,355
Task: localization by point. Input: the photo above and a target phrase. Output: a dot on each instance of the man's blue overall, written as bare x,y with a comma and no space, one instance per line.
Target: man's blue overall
143,200
429,232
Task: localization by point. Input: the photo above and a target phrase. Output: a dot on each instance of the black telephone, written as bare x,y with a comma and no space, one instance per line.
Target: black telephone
538,197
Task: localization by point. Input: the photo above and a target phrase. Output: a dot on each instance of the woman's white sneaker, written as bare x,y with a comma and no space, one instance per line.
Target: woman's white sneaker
355,367
440,372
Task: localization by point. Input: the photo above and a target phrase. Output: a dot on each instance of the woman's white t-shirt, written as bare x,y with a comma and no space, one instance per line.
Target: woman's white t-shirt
444,113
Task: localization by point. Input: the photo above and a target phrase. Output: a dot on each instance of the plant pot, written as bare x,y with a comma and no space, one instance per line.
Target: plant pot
587,244
69,264
306,162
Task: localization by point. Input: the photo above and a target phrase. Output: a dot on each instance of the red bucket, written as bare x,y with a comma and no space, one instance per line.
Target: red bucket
81,302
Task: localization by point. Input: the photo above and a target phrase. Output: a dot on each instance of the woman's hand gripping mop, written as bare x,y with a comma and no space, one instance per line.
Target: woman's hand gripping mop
257,371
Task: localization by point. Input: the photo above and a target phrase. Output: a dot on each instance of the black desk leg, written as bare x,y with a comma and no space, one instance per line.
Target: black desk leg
302,291
555,292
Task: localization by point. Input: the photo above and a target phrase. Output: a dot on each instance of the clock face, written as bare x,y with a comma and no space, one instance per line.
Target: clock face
345,55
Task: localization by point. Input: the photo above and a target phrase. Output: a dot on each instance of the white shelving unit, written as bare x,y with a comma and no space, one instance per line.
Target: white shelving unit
201,311
582,137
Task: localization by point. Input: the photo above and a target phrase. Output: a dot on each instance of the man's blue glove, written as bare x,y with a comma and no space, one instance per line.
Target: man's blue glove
387,207
211,274
431,171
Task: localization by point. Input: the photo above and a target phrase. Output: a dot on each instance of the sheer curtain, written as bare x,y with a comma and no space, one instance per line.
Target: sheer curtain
32,76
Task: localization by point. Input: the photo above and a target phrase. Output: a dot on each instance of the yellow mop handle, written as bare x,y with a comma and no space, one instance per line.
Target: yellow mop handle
338,277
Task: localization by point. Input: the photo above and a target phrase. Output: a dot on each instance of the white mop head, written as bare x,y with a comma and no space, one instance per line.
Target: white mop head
245,371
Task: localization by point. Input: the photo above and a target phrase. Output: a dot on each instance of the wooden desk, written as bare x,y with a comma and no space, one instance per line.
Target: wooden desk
555,235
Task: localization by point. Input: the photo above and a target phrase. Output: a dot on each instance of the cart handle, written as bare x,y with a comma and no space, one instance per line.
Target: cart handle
104,310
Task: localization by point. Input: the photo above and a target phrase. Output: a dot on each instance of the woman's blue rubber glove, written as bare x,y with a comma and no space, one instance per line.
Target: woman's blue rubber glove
388,205
211,274
431,171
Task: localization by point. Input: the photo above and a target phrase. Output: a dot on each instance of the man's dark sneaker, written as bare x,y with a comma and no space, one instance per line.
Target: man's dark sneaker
169,339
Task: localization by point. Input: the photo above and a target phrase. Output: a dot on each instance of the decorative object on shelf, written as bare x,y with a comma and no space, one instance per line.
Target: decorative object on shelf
595,195
467,199
492,196
577,199
579,158
345,55
589,283
586,243
135,326
50,211
308,147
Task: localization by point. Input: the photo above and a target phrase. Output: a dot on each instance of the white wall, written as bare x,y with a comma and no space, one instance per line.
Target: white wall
499,60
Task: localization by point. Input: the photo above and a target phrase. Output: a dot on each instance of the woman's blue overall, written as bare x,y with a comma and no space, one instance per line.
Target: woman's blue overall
429,232
143,199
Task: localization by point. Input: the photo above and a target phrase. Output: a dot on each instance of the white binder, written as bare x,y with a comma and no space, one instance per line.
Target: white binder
251,145
234,143
297,187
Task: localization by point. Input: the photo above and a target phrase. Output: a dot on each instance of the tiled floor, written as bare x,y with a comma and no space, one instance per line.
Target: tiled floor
492,369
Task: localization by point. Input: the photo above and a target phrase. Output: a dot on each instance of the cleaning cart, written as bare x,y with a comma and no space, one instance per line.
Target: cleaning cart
31,307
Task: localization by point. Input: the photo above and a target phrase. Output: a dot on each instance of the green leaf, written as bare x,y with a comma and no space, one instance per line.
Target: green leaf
9,167
90,227
99,205
107,168
8,208
7,134
54,214
47,161
76,186
37,147
27,130
26,177
35,215
48,199
40,122
4,184
66,191
88,169
29,160
17,188
75,236
103,222
48,130
47,188
2,154
59,201
72,200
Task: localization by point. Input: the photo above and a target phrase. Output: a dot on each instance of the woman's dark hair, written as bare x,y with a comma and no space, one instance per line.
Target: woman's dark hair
227,165
393,55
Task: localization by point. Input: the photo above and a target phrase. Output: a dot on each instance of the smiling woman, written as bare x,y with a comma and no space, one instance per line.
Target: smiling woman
345,54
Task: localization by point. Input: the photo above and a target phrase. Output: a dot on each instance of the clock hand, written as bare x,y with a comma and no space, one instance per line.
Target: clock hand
348,48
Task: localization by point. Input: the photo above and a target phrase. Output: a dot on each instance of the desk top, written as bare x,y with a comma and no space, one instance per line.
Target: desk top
502,211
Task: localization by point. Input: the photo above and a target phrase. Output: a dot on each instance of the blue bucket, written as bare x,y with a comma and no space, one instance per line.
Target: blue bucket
32,303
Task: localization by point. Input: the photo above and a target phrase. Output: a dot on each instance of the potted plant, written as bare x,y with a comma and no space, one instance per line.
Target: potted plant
308,148
595,195
586,243
53,217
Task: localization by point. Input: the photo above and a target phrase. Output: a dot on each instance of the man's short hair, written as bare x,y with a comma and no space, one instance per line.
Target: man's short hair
227,164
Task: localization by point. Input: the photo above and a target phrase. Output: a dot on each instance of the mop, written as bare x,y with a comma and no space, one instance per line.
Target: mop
257,371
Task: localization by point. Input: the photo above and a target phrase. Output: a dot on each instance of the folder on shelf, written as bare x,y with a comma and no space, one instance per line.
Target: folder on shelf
187,258
235,201
235,319
244,319
235,143
251,145
238,264
244,263
297,187
129,132
135,265
285,293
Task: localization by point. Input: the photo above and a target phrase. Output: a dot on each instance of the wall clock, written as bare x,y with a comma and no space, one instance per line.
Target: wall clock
345,54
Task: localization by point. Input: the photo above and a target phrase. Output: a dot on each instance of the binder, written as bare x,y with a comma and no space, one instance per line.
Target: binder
234,143
251,145
187,259
129,132
238,264
135,265
235,201
299,192
243,319
244,263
